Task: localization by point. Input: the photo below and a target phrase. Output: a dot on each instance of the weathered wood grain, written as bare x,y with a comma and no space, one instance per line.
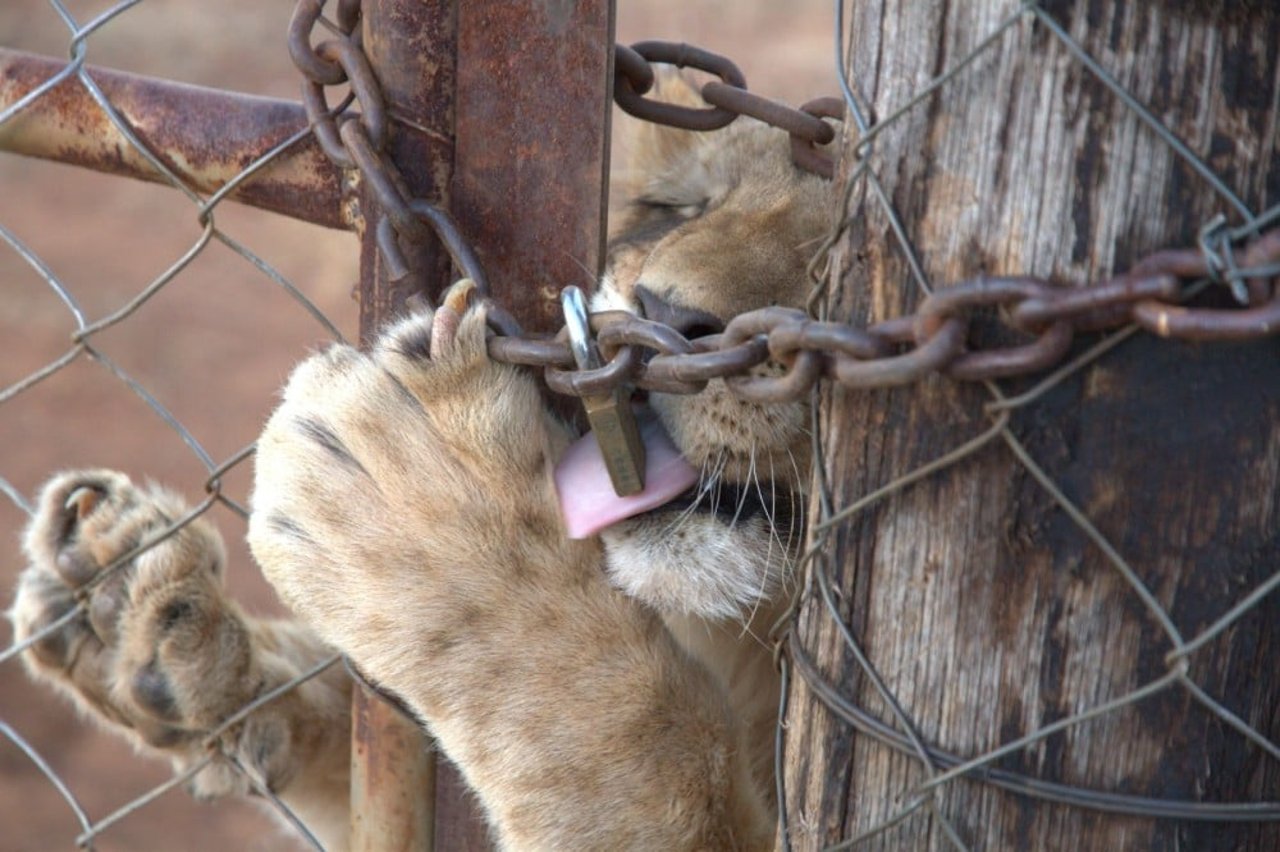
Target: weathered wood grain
979,601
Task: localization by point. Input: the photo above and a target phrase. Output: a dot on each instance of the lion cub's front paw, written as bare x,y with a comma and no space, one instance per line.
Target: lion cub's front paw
392,487
151,646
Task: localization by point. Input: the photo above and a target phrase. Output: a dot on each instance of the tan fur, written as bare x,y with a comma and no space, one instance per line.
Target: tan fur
613,693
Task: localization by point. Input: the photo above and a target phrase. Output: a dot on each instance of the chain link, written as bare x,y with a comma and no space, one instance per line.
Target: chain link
804,151
358,141
727,98
908,349
777,354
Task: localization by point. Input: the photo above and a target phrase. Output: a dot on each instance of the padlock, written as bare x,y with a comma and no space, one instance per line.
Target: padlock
611,418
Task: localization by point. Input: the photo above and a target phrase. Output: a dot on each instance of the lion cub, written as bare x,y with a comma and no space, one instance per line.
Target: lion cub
604,692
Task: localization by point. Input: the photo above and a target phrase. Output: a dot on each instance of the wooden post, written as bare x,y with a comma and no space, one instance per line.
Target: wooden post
982,604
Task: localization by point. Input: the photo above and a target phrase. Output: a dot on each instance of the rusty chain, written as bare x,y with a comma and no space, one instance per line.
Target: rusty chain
728,98
907,349
777,354
358,140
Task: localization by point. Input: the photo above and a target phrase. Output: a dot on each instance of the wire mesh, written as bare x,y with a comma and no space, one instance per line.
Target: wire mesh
127,337
938,768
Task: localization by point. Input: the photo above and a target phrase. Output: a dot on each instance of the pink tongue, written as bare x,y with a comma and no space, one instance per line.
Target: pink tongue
587,500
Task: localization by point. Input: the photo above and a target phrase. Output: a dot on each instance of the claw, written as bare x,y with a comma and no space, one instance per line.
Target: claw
460,295
444,326
83,499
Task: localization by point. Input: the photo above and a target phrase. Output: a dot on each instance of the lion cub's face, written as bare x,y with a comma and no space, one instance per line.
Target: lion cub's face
713,225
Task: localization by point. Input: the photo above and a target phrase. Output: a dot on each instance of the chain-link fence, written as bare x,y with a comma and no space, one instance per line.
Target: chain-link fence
1160,733
147,328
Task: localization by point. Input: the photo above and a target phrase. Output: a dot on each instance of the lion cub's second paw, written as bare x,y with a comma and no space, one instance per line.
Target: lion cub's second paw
150,646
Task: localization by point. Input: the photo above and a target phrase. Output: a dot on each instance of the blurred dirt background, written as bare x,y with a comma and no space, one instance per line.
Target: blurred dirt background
213,346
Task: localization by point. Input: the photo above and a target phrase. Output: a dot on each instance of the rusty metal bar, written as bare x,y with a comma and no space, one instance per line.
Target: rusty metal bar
534,95
535,82
529,187
392,778
529,192
410,46
520,161
206,136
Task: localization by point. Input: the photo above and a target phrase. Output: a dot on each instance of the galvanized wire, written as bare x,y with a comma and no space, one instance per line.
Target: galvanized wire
900,734
83,345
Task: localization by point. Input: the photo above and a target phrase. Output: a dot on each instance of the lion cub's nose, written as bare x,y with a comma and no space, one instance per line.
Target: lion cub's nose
690,322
